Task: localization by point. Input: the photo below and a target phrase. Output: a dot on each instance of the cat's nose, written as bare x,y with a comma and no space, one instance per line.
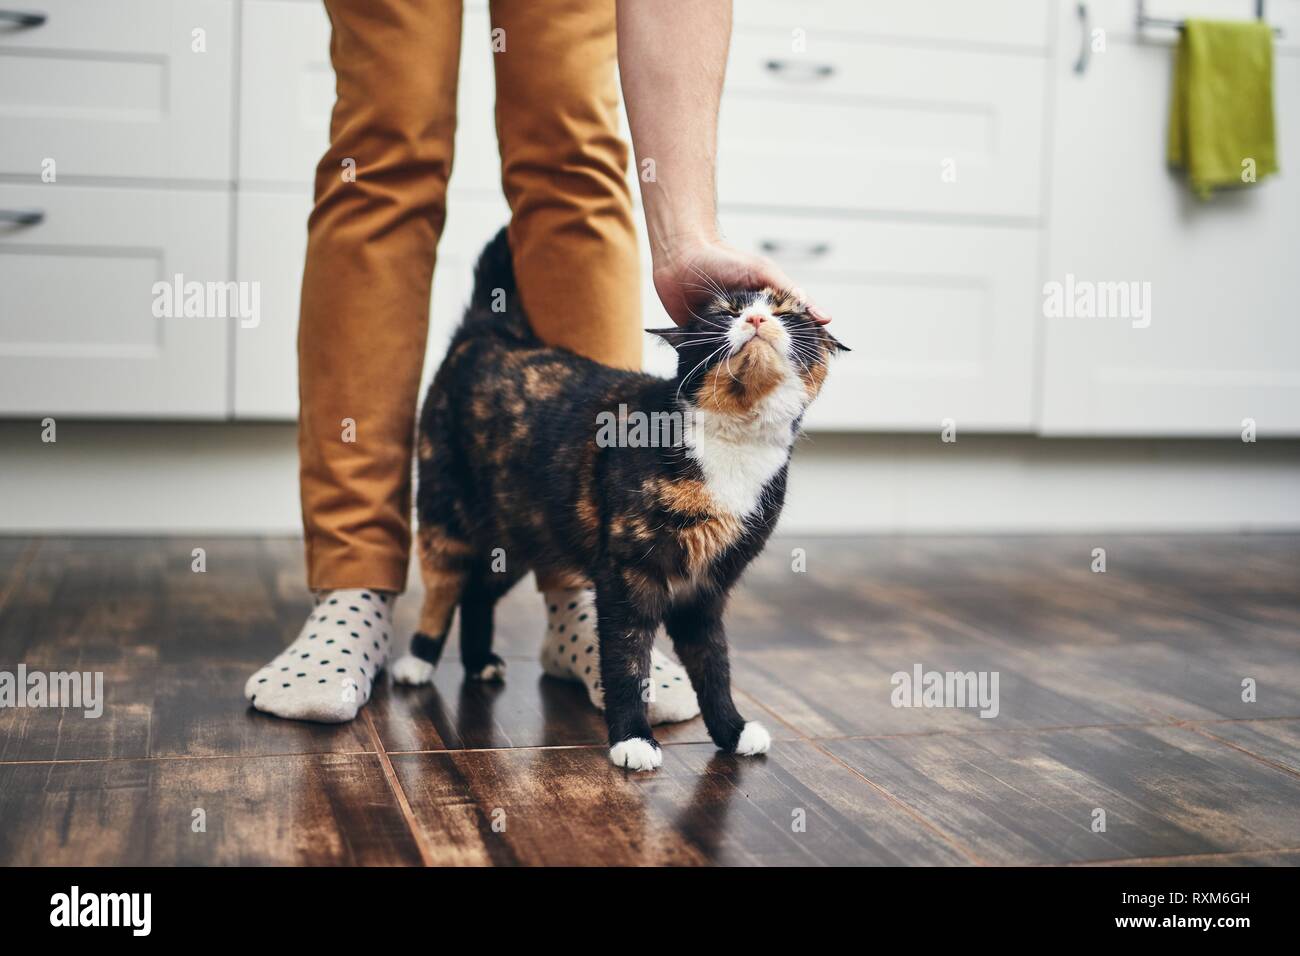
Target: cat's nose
754,319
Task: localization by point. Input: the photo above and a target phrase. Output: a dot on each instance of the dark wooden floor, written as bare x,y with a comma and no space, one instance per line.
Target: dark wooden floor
1119,691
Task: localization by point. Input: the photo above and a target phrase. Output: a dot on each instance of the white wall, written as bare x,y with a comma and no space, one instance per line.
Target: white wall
242,478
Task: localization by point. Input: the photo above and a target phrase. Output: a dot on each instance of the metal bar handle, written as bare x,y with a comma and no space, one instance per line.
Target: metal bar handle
806,250
798,70
22,18
22,217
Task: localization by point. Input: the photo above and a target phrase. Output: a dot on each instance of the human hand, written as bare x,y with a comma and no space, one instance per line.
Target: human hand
686,275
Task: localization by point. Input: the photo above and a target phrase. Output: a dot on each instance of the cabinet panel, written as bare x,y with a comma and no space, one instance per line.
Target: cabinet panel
119,89
940,318
876,126
78,329
1219,342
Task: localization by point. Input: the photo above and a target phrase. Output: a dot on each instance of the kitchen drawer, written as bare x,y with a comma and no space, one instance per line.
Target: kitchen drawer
1001,23
115,89
940,318
288,94
78,335
272,245
856,124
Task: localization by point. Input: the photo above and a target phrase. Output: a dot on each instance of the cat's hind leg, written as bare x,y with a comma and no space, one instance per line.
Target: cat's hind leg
445,562
483,588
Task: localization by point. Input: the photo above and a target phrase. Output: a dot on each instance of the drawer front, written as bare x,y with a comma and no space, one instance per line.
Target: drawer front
881,127
78,330
940,318
1001,23
288,95
117,89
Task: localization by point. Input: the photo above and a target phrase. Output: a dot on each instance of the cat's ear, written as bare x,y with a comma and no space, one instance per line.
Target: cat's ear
836,345
673,335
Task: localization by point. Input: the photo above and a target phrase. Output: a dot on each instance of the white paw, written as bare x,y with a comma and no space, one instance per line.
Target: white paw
754,739
495,672
636,753
409,669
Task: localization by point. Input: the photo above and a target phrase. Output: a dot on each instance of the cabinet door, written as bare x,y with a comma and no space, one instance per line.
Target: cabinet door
132,88
1219,342
940,318
78,330
849,123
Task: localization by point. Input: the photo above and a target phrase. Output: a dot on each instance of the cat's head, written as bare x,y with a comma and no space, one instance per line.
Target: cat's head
744,346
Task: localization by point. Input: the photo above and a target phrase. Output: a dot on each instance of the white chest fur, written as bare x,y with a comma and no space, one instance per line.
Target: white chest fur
739,456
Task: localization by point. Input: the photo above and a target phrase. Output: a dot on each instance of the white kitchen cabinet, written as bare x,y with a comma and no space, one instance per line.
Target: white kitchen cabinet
880,127
940,318
78,334
1223,342
119,89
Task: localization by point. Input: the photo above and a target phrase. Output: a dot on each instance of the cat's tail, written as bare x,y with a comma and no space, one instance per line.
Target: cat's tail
495,298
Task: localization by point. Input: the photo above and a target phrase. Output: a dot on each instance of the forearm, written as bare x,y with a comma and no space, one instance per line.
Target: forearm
672,57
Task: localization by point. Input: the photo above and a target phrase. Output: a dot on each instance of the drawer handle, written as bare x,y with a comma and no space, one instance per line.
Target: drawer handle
798,250
799,71
1085,40
22,217
22,19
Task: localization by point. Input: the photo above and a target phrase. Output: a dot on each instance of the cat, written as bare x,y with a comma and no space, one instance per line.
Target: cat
520,469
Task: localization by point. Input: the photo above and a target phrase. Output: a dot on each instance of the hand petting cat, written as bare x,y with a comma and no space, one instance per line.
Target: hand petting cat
672,56
689,275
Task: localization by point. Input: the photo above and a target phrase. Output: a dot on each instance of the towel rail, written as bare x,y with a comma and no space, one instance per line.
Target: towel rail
1145,21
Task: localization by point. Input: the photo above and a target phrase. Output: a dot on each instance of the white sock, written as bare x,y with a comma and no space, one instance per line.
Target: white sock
570,651
328,672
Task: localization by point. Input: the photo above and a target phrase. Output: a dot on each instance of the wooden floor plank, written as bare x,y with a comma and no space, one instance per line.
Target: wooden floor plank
312,810
796,806
528,710
1274,740
1030,798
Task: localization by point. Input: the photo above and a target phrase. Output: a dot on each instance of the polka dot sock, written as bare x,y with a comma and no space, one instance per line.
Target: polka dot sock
327,673
570,652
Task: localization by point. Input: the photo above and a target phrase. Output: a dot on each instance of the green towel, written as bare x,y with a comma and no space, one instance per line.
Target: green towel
1222,109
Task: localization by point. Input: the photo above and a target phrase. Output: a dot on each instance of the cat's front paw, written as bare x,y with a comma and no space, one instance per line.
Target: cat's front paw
494,671
410,670
636,753
754,739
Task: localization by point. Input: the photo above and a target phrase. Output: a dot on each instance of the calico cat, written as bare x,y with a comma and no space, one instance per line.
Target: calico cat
520,468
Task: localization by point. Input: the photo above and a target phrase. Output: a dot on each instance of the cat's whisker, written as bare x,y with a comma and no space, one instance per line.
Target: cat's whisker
687,376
